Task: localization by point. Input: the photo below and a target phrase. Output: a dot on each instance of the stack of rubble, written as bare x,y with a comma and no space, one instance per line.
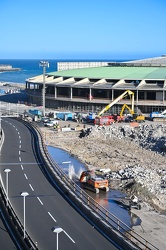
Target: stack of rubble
136,152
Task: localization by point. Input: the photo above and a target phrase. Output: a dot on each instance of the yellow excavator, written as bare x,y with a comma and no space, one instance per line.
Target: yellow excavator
135,117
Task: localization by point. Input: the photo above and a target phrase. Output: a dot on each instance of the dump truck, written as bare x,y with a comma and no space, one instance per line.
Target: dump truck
89,180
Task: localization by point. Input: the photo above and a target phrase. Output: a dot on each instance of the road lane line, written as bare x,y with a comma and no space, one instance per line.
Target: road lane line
20,141
52,216
26,176
19,158
22,167
39,200
31,187
19,152
20,146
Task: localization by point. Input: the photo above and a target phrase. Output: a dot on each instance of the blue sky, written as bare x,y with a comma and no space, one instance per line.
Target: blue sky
82,29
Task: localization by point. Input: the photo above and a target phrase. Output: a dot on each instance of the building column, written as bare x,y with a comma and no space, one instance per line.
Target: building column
71,93
29,86
55,93
90,94
112,95
163,96
34,87
137,97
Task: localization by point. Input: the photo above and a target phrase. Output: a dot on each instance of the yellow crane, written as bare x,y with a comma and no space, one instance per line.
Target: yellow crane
129,93
123,95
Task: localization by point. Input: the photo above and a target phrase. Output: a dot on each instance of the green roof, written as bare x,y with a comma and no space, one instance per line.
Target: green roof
113,72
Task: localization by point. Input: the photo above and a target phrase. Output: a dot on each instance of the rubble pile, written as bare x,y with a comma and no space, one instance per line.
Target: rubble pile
137,152
149,141
151,137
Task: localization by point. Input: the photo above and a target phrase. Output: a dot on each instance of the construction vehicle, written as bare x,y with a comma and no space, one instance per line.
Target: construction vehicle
89,180
107,120
132,116
154,115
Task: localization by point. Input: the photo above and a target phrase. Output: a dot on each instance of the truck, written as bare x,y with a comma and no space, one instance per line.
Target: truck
89,180
157,114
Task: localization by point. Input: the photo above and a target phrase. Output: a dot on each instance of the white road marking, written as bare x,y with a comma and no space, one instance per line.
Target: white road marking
20,141
31,187
20,146
39,200
52,216
19,158
22,167
19,152
26,176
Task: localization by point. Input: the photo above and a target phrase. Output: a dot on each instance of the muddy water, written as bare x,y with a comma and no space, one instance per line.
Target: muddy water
73,167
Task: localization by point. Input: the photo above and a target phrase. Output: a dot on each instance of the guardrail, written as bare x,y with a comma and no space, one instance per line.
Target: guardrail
107,218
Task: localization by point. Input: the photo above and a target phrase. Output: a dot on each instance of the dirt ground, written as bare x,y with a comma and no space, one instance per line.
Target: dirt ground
153,226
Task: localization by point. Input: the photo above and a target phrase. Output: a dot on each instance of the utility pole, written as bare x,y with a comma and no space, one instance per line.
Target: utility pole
44,64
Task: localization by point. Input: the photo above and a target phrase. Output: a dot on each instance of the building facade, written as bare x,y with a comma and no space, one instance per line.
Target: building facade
90,89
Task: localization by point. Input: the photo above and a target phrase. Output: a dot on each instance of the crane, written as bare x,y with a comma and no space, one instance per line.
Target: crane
123,95
110,119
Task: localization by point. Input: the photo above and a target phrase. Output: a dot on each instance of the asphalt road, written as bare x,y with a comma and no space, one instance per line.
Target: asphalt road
45,207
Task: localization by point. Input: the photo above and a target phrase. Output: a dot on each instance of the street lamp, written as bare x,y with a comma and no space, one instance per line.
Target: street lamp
44,64
7,171
24,194
58,230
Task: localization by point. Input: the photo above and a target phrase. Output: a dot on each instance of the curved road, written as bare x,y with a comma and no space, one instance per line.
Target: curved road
45,207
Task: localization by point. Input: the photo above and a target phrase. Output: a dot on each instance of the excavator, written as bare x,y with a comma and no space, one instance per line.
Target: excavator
109,119
133,116
89,180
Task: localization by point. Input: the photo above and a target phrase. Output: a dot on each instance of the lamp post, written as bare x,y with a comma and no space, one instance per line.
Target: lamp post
58,230
7,171
44,64
24,194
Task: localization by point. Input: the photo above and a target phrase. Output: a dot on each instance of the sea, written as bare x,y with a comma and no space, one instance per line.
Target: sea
30,68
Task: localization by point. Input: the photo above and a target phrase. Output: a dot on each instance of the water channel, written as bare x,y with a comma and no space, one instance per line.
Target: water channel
73,168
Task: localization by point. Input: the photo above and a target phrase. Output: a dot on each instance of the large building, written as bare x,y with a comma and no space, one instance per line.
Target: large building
92,88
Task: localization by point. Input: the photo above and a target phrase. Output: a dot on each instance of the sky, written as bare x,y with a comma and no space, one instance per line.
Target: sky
82,29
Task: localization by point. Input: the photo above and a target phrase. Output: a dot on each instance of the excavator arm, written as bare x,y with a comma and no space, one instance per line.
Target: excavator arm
124,107
123,95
